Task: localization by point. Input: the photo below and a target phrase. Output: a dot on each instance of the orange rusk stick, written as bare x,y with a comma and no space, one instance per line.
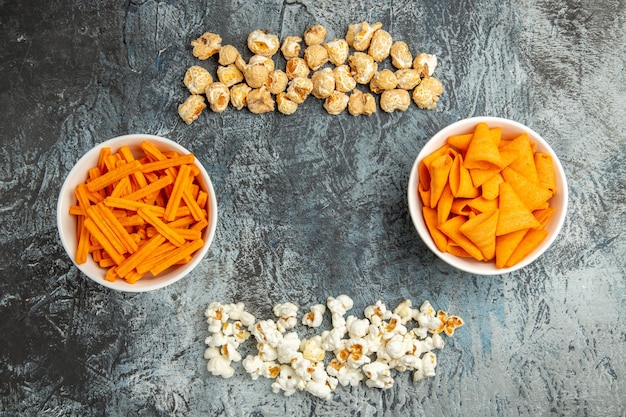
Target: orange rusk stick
177,255
107,230
117,257
122,188
161,227
128,157
141,255
114,175
150,188
167,163
129,244
123,203
194,209
177,193
82,250
158,255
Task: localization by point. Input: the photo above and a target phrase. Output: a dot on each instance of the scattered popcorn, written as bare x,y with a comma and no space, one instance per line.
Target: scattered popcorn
401,56
286,314
218,96
353,60
191,108
395,100
425,64
361,103
291,47
365,349
315,316
228,54
426,94
262,43
338,51
380,45
206,45
197,79
315,35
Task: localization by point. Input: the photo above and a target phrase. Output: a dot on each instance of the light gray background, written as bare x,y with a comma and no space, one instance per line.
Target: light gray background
311,206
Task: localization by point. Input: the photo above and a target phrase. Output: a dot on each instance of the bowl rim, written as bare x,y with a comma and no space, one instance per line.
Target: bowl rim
473,266
77,175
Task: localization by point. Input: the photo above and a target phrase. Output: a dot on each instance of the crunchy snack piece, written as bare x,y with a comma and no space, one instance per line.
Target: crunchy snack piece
408,78
239,94
323,83
392,100
229,75
191,108
361,103
338,50
336,103
206,45
260,42
426,94
315,56
196,79
344,81
228,55
359,35
315,35
256,71
285,105
425,64
218,96
383,80
380,45
297,67
291,47
401,56
363,67
299,89
277,81
260,100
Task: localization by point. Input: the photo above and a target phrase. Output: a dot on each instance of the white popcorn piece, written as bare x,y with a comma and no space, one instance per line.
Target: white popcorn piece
392,327
344,374
377,313
378,375
267,352
286,381
357,328
398,346
426,367
312,349
338,307
265,331
237,311
287,316
426,317
220,366
288,347
355,353
215,317
404,311
229,351
217,339
374,338
333,339
253,365
237,330
314,317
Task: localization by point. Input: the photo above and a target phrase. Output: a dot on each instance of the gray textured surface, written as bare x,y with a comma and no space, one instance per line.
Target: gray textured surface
310,206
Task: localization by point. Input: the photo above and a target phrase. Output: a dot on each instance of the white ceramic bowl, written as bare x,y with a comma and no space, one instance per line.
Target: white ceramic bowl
510,129
67,223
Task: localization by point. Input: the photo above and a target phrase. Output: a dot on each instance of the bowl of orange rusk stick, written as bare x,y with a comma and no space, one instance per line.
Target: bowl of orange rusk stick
137,213
487,195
